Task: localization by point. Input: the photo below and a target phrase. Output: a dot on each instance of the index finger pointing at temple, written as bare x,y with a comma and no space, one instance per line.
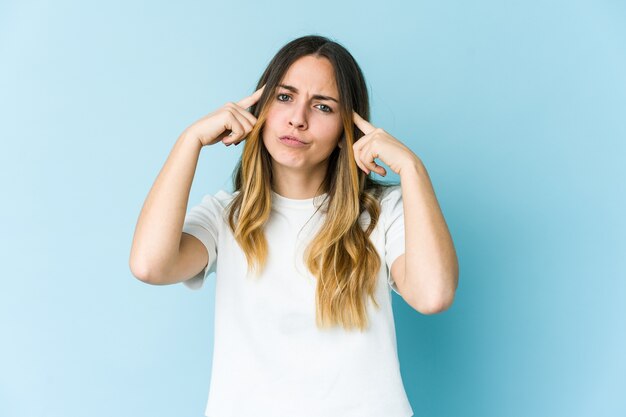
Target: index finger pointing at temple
365,126
250,100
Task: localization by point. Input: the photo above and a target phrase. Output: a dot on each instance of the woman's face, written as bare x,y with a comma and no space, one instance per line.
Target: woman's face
304,106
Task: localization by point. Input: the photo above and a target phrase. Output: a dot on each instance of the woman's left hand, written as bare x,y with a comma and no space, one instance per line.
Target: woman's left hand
379,144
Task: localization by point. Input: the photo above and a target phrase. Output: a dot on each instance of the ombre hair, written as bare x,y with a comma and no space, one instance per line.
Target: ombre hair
341,256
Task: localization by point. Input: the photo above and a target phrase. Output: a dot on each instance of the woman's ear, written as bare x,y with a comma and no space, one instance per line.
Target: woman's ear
340,144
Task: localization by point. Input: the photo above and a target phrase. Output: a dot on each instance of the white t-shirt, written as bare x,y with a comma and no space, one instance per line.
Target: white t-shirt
270,359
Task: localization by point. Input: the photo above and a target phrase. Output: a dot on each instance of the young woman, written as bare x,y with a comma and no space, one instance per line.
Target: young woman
307,247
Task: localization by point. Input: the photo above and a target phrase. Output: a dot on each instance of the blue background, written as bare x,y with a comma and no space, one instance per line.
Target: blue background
518,110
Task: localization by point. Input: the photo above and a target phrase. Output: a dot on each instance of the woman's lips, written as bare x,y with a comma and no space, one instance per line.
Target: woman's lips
292,142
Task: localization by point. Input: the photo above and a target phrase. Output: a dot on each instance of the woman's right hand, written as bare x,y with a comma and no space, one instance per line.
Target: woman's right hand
229,124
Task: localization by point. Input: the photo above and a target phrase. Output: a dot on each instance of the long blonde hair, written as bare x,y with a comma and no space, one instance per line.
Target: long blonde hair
341,256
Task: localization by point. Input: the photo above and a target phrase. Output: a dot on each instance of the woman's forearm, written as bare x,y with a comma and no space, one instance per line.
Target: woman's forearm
159,227
431,266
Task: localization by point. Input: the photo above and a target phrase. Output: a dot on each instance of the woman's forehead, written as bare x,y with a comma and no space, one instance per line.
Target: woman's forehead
312,75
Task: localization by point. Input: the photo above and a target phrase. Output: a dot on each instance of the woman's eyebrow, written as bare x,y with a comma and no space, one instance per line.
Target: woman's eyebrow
315,97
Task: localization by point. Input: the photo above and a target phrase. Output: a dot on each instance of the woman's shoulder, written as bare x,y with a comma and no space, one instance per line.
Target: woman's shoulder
384,192
391,191
216,202
389,198
224,197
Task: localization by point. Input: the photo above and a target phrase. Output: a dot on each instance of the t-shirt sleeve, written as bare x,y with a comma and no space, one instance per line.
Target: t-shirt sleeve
201,221
393,216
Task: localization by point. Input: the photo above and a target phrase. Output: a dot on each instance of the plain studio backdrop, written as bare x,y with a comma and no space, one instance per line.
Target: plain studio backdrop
518,110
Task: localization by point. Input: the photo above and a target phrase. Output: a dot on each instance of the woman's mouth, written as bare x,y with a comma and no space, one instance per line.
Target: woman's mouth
292,142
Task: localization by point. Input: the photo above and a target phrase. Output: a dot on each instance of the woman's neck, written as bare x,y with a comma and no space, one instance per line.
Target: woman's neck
298,186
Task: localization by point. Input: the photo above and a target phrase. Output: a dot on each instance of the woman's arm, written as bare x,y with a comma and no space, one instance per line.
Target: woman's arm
431,271
157,237
160,253
428,272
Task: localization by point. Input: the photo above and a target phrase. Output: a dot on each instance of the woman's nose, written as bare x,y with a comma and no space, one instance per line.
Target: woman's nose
298,117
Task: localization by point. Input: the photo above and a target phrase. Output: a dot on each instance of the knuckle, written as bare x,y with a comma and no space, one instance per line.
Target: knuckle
233,117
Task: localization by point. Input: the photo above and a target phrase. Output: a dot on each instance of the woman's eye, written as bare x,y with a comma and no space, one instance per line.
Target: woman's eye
328,109
324,108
